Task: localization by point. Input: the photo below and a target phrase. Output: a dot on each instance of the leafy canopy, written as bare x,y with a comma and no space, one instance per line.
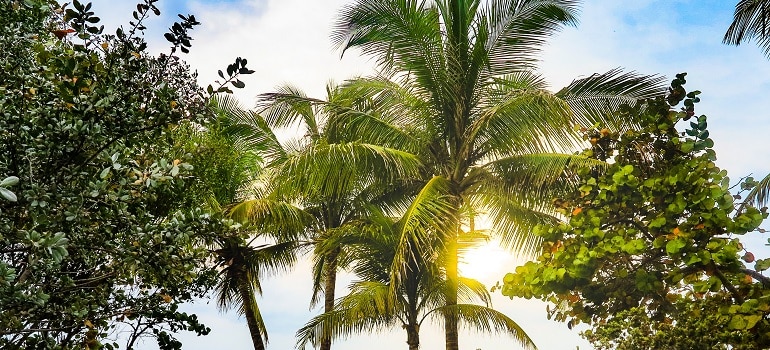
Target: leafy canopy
656,233
98,232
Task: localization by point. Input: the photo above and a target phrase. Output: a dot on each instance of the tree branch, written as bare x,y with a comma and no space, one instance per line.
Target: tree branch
730,287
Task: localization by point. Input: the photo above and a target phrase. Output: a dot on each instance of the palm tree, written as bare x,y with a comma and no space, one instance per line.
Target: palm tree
242,263
750,21
242,266
376,301
330,177
481,120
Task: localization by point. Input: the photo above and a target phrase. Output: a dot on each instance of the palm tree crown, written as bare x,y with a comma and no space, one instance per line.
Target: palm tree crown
332,178
482,121
376,301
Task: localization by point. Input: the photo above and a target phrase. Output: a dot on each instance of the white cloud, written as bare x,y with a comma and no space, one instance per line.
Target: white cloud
287,43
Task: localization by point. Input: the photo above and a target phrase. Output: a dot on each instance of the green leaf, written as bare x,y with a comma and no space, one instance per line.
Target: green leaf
686,147
658,222
675,245
9,181
738,322
751,320
762,265
7,194
634,247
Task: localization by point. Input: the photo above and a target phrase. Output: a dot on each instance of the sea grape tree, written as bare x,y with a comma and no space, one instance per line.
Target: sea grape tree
653,234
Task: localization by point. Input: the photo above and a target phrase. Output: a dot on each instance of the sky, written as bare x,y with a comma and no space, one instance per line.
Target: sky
287,41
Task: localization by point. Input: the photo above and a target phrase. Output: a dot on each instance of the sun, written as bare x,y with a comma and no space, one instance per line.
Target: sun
487,263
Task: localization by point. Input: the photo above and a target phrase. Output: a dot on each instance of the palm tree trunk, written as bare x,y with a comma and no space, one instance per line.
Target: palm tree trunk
413,335
247,294
450,316
412,286
329,286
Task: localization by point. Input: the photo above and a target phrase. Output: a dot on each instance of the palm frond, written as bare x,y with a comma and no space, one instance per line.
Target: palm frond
289,106
227,296
514,219
226,102
230,296
319,269
548,173
369,298
371,250
470,289
523,121
484,319
597,98
431,214
518,29
273,258
750,21
368,307
390,196
523,80
275,218
248,130
354,125
251,306
332,170
404,36
760,195
243,266
394,101
348,235
241,261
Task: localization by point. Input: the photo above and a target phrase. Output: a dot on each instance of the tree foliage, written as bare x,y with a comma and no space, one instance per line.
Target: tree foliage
471,106
332,175
750,22
376,301
655,234
699,325
96,235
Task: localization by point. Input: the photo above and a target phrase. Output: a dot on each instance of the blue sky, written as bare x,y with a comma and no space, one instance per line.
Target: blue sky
286,41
